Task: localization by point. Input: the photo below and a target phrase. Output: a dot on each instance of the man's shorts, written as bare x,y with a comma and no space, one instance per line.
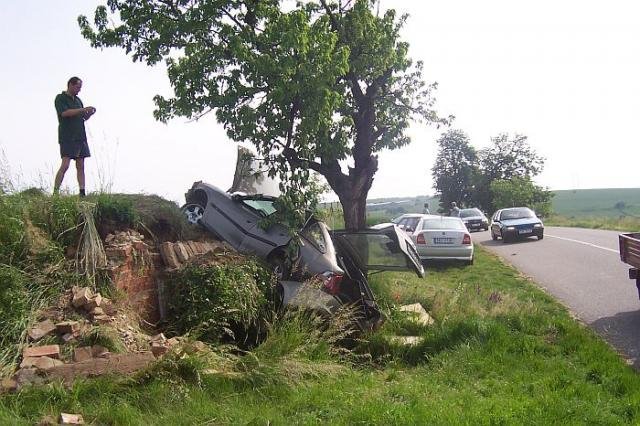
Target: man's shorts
75,149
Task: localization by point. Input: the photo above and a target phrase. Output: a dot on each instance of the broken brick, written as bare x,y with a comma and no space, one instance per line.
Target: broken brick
169,256
97,311
45,363
181,252
41,329
28,362
94,302
52,351
67,327
81,296
71,419
158,349
67,337
82,354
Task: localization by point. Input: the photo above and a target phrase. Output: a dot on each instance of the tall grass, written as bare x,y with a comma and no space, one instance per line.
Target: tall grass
624,223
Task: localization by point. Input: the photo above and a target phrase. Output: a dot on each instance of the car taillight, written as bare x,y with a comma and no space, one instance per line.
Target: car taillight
420,239
466,239
331,282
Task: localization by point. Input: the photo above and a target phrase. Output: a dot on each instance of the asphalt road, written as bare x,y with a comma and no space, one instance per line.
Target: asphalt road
582,269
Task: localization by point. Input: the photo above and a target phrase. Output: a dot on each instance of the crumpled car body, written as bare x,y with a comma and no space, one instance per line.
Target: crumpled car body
329,268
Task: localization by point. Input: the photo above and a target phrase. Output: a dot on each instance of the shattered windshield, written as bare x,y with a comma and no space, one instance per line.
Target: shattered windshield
378,251
264,207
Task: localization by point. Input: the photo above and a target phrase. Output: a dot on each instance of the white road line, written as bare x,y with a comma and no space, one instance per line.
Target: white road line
582,242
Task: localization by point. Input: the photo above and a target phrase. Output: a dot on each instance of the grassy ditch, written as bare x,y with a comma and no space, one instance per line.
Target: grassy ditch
501,352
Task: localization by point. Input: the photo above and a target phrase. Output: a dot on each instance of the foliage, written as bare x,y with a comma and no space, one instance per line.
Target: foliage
57,216
214,303
13,243
309,86
520,191
115,209
506,158
454,169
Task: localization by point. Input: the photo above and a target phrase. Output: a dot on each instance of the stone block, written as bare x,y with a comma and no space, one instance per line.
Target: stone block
81,297
28,362
82,354
67,327
169,255
41,329
418,313
52,351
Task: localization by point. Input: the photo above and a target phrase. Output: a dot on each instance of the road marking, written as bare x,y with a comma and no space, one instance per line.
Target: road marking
582,242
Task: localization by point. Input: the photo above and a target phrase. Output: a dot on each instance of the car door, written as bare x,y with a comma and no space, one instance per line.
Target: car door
382,249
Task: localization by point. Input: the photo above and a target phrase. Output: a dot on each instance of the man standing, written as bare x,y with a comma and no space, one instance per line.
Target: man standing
71,133
455,211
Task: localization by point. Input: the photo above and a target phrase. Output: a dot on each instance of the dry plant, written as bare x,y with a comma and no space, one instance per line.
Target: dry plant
90,255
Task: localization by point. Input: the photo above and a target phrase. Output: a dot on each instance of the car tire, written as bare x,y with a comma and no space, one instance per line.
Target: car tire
194,213
505,239
469,262
278,264
494,237
541,236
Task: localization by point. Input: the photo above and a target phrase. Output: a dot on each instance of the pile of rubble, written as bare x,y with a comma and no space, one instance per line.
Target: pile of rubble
175,255
47,361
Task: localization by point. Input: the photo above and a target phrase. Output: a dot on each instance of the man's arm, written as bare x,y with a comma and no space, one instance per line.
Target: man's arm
88,111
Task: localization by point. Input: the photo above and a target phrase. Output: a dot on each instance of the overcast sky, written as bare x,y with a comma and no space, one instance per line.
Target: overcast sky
564,73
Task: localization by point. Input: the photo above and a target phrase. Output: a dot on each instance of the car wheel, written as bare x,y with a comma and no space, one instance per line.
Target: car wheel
493,236
278,264
470,262
505,239
194,213
540,236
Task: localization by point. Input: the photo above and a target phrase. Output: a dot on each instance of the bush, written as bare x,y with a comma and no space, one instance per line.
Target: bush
12,231
116,209
214,303
13,304
57,216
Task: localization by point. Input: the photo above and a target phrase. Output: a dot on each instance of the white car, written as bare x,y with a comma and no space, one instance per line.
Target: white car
439,237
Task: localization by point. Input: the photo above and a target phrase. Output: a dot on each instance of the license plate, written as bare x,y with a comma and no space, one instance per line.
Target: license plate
441,240
525,231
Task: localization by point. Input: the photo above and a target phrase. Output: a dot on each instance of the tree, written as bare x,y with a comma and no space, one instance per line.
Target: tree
454,169
322,87
506,158
521,191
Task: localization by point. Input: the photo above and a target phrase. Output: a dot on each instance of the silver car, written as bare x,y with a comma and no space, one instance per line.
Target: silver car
439,237
474,219
337,261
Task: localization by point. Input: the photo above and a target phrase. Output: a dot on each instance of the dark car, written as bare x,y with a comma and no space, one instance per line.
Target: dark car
474,219
517,222
329,268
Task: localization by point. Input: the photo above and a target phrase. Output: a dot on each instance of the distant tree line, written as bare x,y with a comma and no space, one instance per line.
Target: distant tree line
495,177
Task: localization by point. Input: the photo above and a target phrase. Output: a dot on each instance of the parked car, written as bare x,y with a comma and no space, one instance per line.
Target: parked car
474,219
439,237
337,261
516,222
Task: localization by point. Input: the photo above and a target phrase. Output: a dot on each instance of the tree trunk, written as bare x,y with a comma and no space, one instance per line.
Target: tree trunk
354,210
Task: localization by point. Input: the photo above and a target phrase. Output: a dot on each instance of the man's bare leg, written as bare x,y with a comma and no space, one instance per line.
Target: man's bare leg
80,172
64,166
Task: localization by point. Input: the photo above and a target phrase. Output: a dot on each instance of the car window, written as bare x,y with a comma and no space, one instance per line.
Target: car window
443,223
411,223
264,207
470,212
511,214
314,235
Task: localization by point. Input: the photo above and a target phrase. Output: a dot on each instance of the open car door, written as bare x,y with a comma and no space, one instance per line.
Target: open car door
384,248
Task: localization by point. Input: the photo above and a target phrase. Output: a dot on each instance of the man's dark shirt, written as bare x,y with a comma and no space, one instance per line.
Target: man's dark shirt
69,128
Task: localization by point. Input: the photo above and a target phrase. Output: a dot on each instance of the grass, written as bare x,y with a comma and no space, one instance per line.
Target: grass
501,352
625,223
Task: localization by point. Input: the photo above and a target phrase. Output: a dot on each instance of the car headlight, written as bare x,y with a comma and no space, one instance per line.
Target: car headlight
537,225
510,228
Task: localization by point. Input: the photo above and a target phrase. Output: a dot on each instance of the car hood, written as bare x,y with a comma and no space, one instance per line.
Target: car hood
525,221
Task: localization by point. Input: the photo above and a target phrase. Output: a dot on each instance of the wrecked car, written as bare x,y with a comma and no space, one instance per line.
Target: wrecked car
327,270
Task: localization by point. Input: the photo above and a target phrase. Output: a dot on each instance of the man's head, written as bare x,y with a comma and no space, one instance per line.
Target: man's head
74,85
453,204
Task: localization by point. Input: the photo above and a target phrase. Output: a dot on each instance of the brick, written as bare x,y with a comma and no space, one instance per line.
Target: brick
82,354
158,349
169,255
66,327
27,376
102,319
158,338
94,302
97,311
71,419
181,251
45,363
109,238
52,351
41,329
140,246
28,362
81,297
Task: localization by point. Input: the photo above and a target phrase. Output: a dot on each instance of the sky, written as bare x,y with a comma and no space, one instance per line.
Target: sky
566,74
